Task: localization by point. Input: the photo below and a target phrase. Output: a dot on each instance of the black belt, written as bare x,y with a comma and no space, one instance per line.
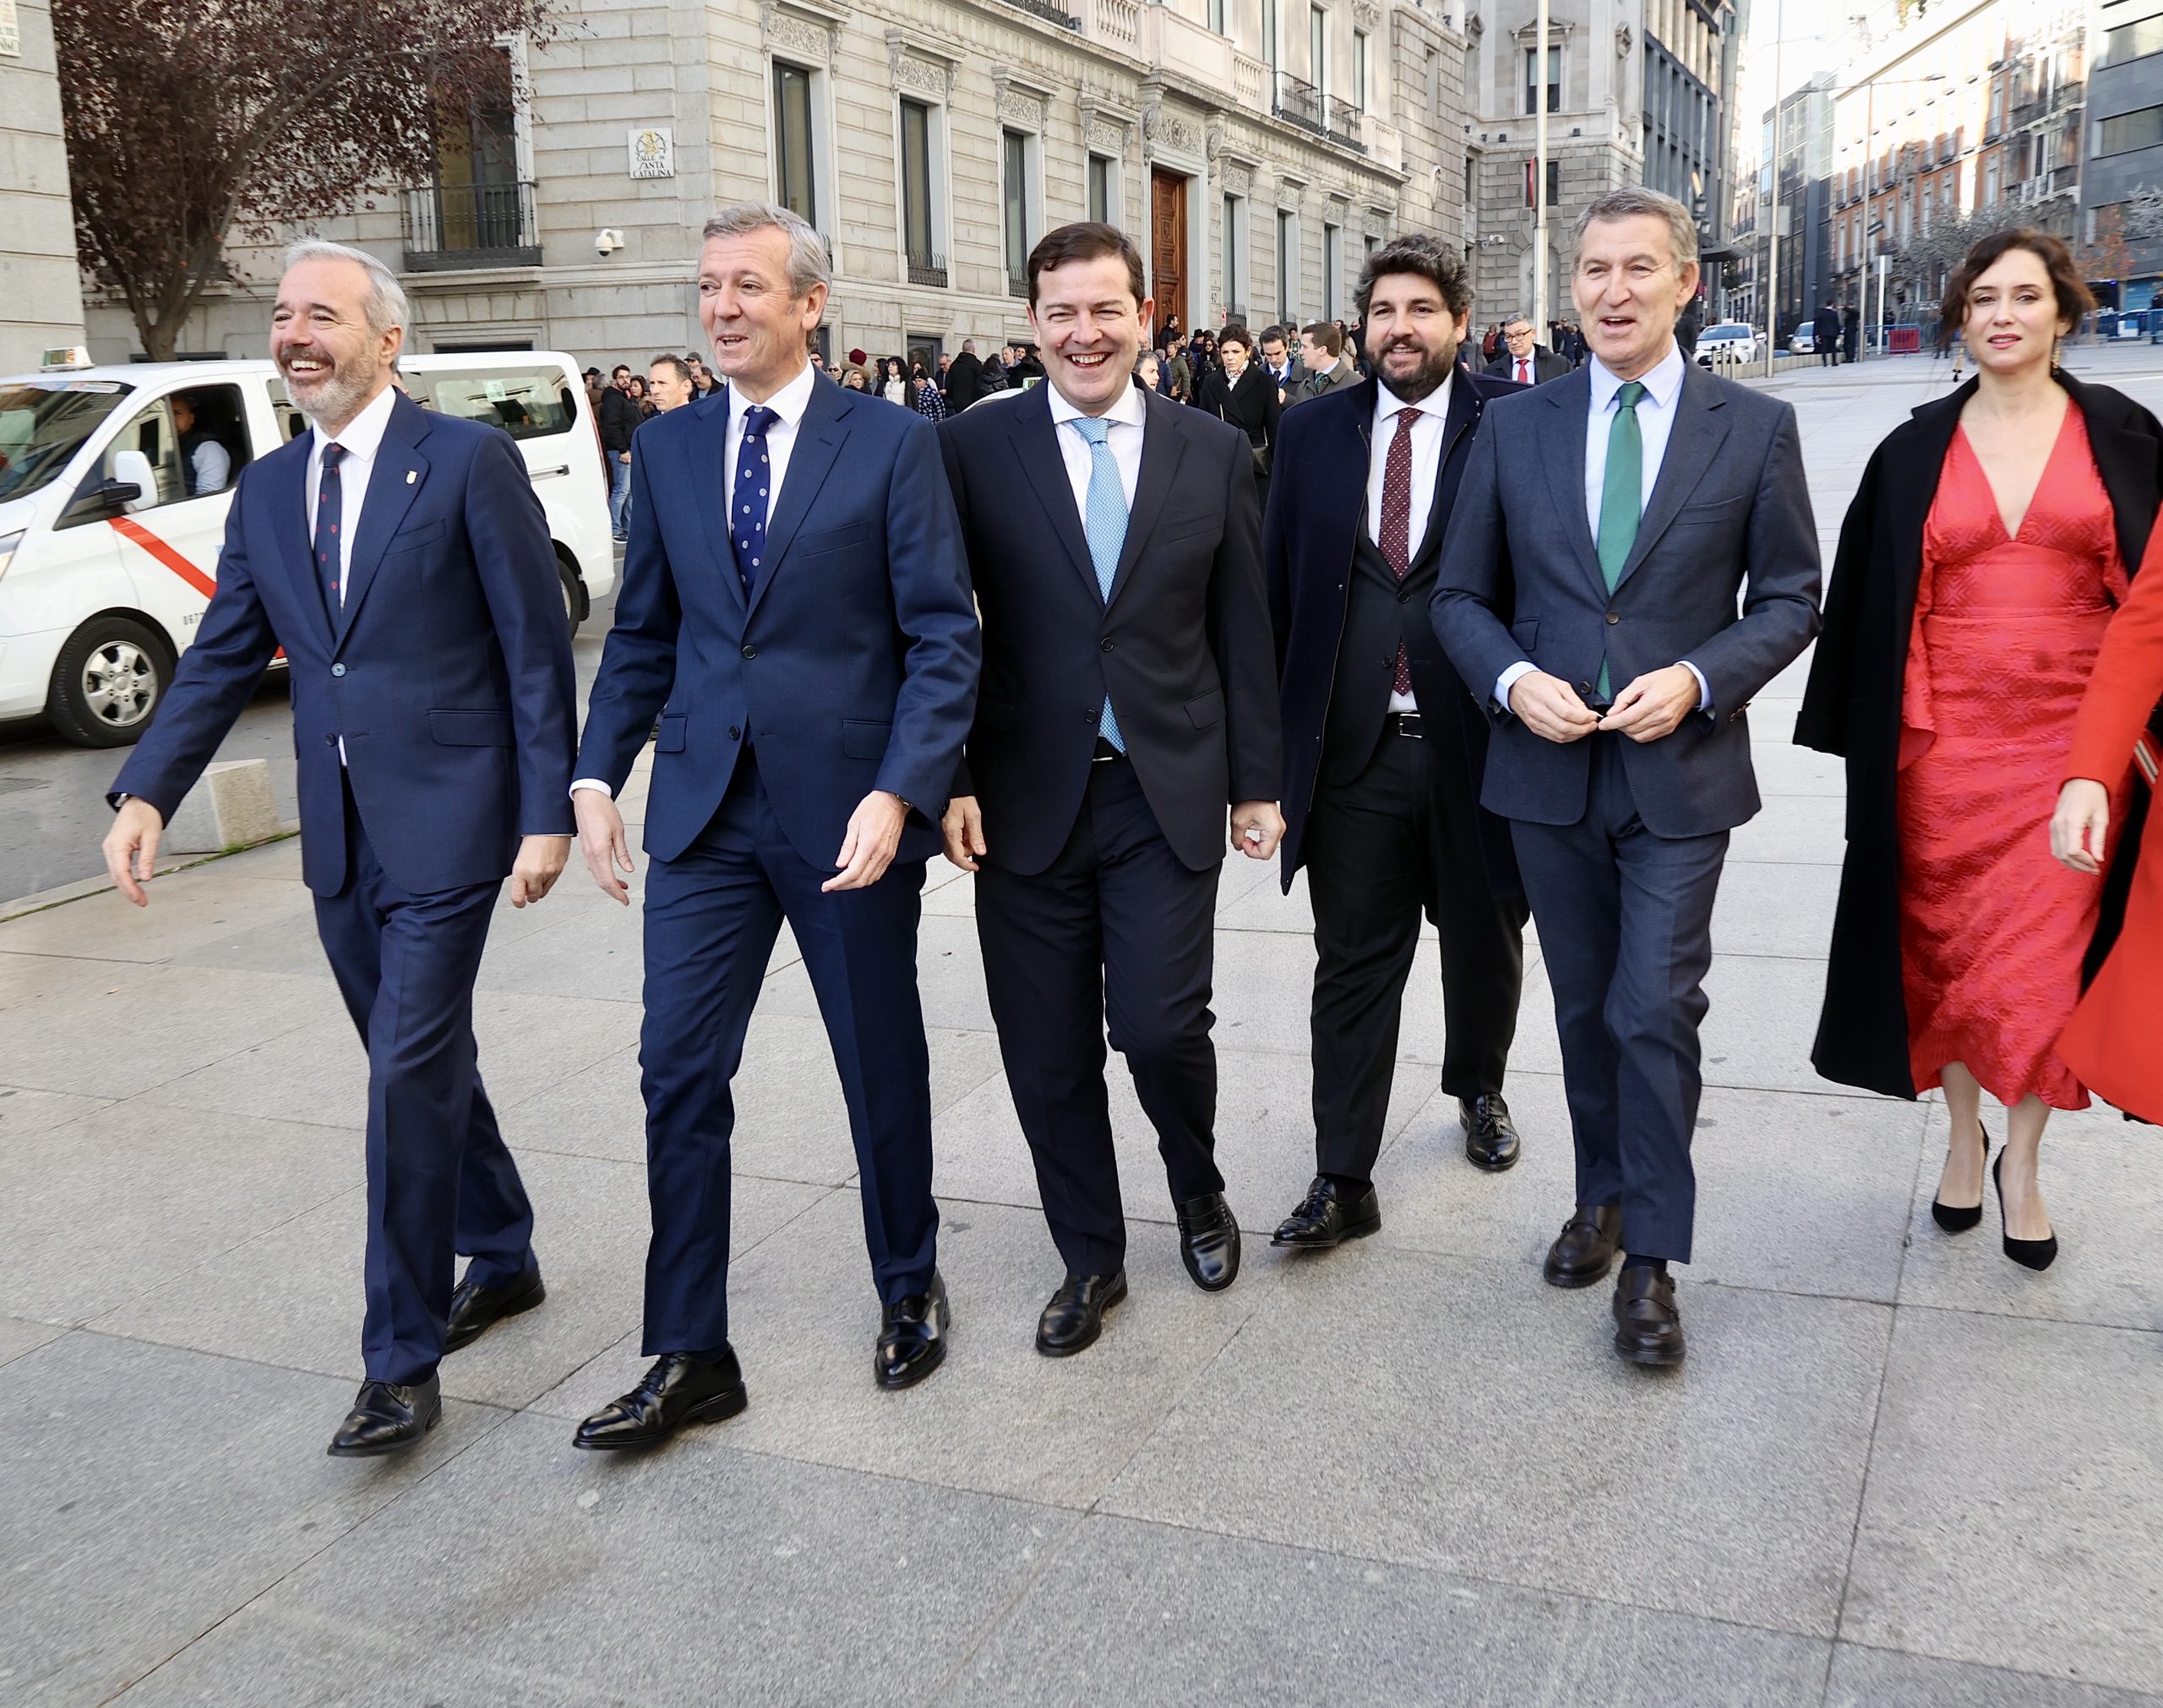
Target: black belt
1404,723
1105,753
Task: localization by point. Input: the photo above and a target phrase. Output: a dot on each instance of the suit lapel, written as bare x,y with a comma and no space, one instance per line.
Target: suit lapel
284,479
1913,490
1163,444
394,482
1693,443
820,436
1035,443
1571,398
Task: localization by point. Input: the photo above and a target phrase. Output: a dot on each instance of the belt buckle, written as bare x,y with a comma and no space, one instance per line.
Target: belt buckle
1407,724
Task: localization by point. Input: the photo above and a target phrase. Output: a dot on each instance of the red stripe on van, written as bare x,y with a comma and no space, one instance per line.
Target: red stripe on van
129,529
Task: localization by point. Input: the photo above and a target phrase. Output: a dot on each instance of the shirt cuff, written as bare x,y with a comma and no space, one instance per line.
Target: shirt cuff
1509,679
1704,689
593,783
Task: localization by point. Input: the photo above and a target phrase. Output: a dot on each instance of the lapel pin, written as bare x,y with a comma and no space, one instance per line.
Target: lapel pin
411,476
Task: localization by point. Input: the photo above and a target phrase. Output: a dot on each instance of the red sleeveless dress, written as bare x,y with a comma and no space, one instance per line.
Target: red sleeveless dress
2007,629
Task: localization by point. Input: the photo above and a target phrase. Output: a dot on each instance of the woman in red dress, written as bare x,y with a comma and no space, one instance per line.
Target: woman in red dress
2021,563
2111,1043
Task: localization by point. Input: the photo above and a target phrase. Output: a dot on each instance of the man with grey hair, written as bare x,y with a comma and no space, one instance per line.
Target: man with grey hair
402,561
813,663
1609,523
1523,359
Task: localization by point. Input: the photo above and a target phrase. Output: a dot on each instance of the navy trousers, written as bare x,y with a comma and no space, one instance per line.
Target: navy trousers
440,1181
1116,932
1625,931
712,917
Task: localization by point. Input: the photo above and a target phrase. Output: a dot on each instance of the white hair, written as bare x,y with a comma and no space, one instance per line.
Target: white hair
1634,199
808,262
386,306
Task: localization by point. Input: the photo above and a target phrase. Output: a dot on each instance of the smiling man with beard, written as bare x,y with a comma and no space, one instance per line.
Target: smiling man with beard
1383,747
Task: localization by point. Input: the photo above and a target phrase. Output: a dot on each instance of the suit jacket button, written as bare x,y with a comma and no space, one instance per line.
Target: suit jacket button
1584,687
337,670
1612,618
1107,646
330,741
735,732
750,652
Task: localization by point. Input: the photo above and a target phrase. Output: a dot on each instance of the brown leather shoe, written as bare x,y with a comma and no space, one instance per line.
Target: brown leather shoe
1647,1325
1584,1251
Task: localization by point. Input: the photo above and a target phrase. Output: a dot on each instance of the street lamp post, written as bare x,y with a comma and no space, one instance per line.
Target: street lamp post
1773,232
1539,180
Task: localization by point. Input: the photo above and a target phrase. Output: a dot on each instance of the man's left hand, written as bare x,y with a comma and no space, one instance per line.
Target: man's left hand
875,831
1654,704
1257,827
539,864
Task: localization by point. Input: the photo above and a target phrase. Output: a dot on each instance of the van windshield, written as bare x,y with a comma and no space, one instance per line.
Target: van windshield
43,423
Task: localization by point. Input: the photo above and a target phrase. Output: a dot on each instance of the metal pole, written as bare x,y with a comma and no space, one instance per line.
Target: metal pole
1772,284
1539,180
1869,204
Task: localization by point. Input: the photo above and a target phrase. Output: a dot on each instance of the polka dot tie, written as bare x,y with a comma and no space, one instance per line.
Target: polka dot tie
1397,526
330,514
749,503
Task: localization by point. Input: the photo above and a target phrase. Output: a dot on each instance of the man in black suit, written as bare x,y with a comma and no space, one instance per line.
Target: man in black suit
1825,336
1384,748
1129,695
964,379
1522,360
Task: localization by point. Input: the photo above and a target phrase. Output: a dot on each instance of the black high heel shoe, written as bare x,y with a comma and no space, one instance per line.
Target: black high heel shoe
2030,1254
1959,1220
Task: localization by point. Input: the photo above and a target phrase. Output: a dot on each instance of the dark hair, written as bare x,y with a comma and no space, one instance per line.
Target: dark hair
2074,297
1427,257
682,367
1328,334
620,368
1272,334
1236,333
1087,240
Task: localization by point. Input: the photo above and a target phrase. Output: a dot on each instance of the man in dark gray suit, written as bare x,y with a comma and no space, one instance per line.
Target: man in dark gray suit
1523,360
1593,593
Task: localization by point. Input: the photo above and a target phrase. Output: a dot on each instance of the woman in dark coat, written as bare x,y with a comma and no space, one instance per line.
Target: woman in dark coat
1857,705
1239,390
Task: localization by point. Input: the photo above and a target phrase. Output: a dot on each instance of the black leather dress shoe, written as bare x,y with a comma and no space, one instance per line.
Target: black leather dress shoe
679,1390
387,1415
1209,1242
1584,1251
1490,1137
475,1309
1325,1217
1075,1315
911,1336
1647,1326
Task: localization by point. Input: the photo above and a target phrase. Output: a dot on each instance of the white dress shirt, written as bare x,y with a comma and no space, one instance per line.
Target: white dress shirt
1429,418
788,405
213,468
1656,410
362,439
1128,415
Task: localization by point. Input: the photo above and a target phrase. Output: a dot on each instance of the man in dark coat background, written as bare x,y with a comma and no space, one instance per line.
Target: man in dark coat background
1825,336
964,379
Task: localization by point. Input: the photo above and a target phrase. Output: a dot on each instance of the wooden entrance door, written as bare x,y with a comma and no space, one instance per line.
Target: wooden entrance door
1168,246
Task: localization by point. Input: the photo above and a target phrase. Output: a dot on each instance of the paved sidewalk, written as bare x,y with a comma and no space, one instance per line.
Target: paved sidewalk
1897,1468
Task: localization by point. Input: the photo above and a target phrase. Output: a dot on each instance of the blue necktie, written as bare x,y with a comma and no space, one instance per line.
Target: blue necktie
329,513
747,528
1104,521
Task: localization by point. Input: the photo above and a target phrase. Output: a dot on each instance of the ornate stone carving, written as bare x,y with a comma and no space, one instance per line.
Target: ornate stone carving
1366,14
1017,103
1623,40
793,33
917,77
1168,129
1474,28
1106,137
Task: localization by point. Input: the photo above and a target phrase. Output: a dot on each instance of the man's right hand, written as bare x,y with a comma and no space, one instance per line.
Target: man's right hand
131,847
601,840
963,829
1550,707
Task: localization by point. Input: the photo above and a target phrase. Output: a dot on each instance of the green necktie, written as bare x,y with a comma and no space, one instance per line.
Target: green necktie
1622,496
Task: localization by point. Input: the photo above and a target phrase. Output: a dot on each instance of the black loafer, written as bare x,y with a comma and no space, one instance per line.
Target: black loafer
1490,1137
475,1309
911,1336
1647,1325
1325,1217
1075,1315
1584,1251
386,1416
1209,1242
679,1390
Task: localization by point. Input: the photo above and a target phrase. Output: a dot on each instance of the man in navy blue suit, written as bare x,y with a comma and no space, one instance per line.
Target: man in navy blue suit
402,561
812,662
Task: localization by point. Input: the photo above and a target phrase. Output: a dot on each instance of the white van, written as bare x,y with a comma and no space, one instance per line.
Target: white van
114,485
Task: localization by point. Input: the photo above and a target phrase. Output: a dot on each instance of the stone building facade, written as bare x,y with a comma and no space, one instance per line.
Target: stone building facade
42,306
1255,149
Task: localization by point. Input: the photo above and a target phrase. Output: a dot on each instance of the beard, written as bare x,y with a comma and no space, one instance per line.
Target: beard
334,398
1425,380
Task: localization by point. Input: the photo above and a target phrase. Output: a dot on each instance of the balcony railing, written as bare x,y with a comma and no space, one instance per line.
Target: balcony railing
1298,103
453,225
928,269
1346,124
1017,285
1059,12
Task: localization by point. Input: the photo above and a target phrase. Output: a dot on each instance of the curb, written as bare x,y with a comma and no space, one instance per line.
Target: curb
61,895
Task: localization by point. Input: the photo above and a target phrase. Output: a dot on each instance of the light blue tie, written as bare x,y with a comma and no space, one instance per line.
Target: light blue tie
1104,519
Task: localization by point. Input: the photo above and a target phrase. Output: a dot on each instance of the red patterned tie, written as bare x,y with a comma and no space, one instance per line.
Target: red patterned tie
1523,378
1397,524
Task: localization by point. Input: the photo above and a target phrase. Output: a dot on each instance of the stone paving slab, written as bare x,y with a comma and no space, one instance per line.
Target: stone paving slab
1864,1678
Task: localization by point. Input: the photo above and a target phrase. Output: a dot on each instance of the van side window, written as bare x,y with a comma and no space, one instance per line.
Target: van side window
196,440
527,403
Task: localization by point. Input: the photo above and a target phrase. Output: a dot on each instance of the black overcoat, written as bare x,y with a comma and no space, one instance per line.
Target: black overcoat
1852,707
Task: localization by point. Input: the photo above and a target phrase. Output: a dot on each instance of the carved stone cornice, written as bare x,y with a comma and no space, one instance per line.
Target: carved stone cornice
1018,102
1167,129
810,34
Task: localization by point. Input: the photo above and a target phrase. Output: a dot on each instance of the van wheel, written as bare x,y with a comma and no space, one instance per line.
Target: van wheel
574,602
107,684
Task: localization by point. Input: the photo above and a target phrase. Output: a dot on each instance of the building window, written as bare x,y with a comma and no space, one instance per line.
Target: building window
1332,271
1553,181
2129,131
1360,95
1104,189
920,222
794,176
2134,40
1269,34
1216,16
1554,79
1287,266
1232,248
1016,149
1318,49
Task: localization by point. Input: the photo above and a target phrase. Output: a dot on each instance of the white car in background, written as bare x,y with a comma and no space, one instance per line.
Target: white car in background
1730,343
109,552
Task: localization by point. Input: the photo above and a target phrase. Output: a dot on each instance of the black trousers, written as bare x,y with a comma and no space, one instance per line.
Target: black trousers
1625,926
1117,933
1381,850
